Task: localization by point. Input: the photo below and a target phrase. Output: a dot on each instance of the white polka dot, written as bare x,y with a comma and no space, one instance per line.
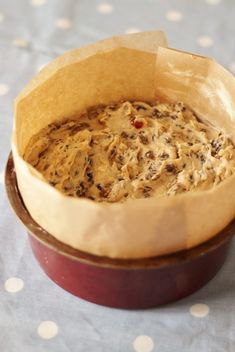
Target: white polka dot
199,310
47,329
41,67
213,2
2,176
105,8
143,343
14,284
132,30
38,2
174,16
20,43
1,17
63,23
3,89
232,67
205,41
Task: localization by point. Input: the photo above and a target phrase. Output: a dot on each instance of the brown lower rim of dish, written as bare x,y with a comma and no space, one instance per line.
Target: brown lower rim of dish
154,262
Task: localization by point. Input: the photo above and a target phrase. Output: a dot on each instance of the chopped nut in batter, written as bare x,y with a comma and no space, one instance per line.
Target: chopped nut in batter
131,150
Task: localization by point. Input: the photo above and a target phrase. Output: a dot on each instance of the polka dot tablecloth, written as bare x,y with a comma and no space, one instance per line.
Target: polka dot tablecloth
35,314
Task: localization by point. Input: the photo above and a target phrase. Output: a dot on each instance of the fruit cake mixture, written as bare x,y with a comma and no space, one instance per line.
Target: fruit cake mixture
131,150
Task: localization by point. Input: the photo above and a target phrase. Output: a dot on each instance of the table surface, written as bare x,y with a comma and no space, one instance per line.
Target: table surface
35,314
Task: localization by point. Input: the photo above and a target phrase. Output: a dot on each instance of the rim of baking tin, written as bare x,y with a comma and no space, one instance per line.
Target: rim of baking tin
51,242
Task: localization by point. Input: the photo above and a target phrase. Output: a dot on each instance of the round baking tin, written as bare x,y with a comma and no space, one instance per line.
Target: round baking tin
119,283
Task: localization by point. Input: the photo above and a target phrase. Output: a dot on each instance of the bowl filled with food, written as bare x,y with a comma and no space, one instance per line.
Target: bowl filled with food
122,170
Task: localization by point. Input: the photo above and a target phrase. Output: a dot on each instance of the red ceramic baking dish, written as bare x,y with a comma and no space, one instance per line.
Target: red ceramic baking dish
130,284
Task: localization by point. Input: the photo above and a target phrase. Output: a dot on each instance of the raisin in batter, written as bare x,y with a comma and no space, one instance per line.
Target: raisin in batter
131,150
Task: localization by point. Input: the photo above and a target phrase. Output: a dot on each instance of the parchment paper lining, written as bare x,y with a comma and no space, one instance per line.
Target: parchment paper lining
130,67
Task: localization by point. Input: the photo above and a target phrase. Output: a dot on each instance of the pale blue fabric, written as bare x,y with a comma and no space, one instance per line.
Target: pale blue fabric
85,327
